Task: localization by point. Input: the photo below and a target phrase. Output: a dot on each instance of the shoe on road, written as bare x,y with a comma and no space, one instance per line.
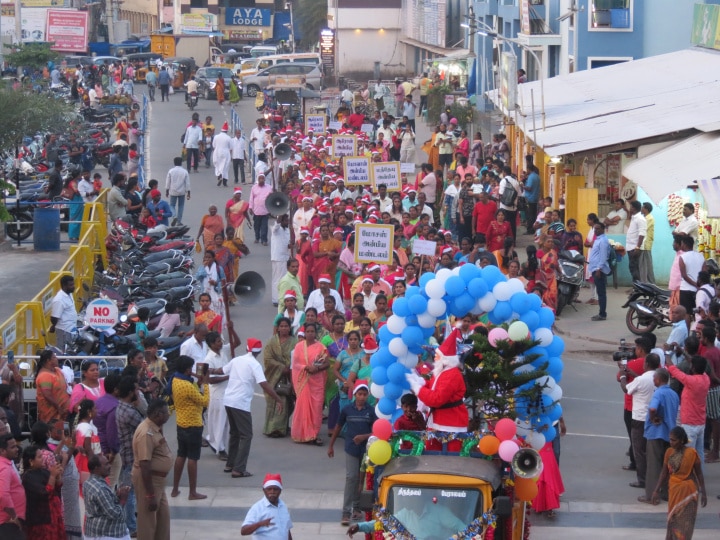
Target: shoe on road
598,318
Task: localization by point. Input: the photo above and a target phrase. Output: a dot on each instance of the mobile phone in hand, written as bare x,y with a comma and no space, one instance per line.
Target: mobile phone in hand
11,358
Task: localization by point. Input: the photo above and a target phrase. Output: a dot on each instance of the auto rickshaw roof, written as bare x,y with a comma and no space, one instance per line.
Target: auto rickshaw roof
469,467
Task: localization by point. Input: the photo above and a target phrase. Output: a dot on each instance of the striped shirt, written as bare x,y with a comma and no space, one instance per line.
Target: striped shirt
104,515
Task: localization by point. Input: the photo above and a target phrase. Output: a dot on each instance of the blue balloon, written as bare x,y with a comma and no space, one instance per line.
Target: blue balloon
555,368
385,335
557,346
411,291
425,278
547,402
531,318
393,391
494,319
547,317
385,357
502,310
519,302
477,287
555,413
521,407
395,373
427,332
492,275
417,304
412,335
387,405
379,375
400,307
468,272
535,302
464,302
550,434
539,422
454,286
375,361
397,414
416,348
411,320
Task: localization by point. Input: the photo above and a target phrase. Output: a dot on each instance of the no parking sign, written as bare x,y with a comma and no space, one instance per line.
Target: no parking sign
101,314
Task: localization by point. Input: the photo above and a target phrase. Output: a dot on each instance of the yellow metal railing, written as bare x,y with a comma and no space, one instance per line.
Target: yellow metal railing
26,330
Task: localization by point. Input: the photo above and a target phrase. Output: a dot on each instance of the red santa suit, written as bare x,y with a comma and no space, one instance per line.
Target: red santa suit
445,391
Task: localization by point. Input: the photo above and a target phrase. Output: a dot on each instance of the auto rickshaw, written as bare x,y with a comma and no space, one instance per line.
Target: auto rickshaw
183,68
142,62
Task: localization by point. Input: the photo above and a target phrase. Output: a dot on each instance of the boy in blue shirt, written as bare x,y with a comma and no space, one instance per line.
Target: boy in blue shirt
359,418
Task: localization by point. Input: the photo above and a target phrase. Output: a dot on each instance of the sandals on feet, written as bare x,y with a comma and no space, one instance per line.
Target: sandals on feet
242,475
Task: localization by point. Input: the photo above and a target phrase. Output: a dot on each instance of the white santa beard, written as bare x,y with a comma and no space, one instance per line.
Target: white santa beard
443,363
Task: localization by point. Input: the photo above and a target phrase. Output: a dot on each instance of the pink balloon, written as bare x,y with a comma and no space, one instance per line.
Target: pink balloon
507,450
505,429
497,334
382,429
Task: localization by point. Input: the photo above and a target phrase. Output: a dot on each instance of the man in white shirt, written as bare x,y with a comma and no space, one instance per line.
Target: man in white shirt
428,185
218,427
238,151
422,207
195,346
63,315
86,188
245,372
279,253
269,517
303,215
383,199
691,263
222,148
340,192
257,138
641,389
689,223
634,240
191,88
177,187
615,220
317,297
368,295
510,184
191,143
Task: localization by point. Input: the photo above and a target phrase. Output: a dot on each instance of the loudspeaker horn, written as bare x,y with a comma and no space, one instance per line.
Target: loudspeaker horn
527,463
277,204
282,151
249,287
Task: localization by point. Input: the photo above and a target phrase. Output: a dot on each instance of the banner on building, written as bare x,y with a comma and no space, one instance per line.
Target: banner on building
34,22
706,26
199,22
508,81
67,30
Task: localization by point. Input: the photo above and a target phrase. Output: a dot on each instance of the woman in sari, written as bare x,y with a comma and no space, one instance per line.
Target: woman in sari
207,316
276,357
463,145
357,312
220,89
506,254
336,343
682,470
348,269
326,318
233,249
235,94
548,265
497,231
343,363
311,317
122,128
476,149
326,252
224,258
236,213
361,368
309,374
432,151
212,280
210,226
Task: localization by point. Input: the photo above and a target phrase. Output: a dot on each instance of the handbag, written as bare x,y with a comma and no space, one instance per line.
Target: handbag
284,387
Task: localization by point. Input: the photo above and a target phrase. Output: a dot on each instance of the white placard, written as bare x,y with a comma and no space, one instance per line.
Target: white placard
407,168
374,243
388,173
356,171
335,125
315,122
367,128
424,247
344,145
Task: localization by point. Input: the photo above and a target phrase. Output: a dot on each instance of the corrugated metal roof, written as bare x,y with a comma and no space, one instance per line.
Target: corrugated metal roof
671,169
626,102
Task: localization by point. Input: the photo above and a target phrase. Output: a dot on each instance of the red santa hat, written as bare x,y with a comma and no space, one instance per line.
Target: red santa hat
225,127
359,384
367,278
324,278
373,267
304,230
254,345
447,352
370,345
272,480
290,294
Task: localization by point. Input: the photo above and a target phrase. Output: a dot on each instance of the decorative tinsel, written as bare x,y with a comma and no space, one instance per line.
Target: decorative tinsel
418,439
478,529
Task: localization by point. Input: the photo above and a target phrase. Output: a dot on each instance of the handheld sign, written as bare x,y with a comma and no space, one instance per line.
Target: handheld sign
388,173
407,168
344,145
374,243
101,314
367,128
424,247
356,171
315,122
335,125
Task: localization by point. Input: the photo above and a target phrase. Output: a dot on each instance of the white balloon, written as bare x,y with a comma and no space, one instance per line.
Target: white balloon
377,390
548,383
477,309
544,336
502,291
487,302
536,440
426,320
524,369
379,413
456,271
435,289
410,360
523,427
396,324
436,307
556,393
515,285
442,275
397,347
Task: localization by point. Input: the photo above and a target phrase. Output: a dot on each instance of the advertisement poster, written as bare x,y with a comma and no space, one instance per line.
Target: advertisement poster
67,30
33,24
374,243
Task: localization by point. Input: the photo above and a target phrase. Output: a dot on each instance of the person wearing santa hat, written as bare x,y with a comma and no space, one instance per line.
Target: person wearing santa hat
445,391
296,317
380,286
259,212
245,372
269,518
236,212
222,155
317,297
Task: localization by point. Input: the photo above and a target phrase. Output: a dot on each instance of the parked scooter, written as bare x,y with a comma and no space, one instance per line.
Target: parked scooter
570,275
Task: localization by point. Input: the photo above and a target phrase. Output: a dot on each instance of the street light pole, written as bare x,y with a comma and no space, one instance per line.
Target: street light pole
292,26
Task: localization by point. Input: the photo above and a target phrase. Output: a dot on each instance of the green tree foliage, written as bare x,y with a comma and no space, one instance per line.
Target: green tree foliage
31,55
312,17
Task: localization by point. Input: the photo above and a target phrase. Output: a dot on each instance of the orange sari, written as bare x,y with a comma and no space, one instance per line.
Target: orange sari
683,492
310,392
547,264
211,226
209,318
323,265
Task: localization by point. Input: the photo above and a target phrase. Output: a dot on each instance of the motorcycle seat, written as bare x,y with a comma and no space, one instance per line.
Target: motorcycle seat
572,257
170,342
658,290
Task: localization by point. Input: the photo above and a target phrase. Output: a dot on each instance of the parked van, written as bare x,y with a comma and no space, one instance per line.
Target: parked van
251,67
263,50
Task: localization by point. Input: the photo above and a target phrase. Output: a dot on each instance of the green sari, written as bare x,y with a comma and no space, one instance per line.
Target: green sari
277,357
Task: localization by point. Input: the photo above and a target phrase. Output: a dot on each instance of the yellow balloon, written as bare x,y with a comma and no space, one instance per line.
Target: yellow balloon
380,452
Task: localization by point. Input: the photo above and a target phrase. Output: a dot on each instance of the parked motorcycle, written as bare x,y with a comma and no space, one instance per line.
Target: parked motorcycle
648,308
569,275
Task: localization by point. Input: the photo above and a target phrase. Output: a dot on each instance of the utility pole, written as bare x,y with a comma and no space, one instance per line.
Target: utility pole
110,20
292,26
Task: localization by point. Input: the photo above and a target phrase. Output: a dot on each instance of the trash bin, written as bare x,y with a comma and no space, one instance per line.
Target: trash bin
46,229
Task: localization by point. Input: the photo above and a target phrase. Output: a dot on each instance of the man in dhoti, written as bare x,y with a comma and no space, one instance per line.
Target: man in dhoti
218,427
222,155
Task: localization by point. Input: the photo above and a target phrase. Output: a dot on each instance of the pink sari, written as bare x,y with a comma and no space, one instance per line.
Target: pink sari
310,391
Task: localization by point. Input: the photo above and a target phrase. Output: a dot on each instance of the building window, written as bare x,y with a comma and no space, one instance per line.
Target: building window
612,15
594,62
198,3
167,3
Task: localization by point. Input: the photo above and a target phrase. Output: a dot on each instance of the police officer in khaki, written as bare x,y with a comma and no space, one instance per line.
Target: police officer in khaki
153,461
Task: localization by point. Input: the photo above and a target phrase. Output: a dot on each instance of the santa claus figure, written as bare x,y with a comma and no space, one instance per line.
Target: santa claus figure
445,391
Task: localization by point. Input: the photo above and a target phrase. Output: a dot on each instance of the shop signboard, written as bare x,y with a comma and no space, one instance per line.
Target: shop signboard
198,22
247,17
67,30
327,49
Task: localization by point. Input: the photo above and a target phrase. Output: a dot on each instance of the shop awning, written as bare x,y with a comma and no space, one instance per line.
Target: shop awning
696,159
627,102
449,54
